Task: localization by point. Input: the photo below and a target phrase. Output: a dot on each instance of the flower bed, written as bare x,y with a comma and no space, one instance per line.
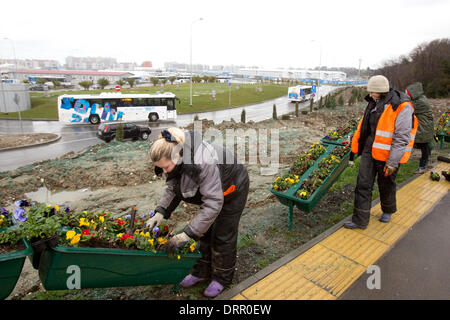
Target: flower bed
442,129
340,134
316,181
109,251
322,172
300,166
13,251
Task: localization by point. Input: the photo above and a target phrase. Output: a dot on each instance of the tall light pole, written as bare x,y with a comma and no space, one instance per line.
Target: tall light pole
190,103
320,62
15,63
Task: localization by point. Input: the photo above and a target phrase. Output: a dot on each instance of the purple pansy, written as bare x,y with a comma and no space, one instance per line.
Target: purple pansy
128,216
66,209
151,213
22,203
156,231
4,212
20,215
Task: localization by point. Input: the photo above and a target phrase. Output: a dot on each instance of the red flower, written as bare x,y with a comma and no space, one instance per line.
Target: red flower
87,233
166,228
126,236
120,222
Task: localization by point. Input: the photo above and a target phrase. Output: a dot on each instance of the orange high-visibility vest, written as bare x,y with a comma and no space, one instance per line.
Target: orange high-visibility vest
383,136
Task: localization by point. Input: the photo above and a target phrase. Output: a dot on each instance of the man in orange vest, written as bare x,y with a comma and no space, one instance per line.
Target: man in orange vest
384,140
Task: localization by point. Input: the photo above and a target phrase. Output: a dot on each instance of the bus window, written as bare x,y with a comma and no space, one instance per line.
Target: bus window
126,102
112,102
163,102
170,104
138,102
155,102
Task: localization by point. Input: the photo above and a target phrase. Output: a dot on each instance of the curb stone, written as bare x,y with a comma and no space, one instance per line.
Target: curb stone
32,145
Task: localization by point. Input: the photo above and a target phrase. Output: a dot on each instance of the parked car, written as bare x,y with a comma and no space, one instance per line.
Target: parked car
107,131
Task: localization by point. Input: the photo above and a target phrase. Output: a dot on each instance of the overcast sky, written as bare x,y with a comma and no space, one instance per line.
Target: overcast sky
275,33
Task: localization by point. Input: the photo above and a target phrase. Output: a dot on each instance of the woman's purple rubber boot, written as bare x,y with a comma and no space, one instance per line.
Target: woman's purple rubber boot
213,289
190,280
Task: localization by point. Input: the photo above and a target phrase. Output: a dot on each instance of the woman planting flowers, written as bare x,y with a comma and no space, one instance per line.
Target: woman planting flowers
201,173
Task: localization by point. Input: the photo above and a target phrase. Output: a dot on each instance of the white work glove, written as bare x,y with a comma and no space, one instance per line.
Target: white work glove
154,221
177,241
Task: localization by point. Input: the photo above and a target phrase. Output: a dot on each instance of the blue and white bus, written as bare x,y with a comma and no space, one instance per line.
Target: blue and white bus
299,93
116,106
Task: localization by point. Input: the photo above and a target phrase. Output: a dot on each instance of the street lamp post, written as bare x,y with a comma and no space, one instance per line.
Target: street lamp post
190,101
15,63
320,62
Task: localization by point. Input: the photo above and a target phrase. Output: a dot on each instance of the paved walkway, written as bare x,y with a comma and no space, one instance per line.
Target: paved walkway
328,268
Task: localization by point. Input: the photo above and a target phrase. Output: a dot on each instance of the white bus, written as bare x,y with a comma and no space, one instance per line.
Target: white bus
109,106
299,93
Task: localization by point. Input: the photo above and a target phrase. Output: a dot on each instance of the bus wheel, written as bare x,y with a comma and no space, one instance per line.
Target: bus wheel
153,117
94,119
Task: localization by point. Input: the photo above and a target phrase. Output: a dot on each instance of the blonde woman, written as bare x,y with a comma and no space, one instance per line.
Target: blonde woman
210,176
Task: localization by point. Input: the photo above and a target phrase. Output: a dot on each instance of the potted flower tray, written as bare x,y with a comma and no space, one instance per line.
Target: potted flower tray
110,267
10,268
289,198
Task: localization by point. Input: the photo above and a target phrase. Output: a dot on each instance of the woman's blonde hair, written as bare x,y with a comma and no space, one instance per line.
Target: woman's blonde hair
163,149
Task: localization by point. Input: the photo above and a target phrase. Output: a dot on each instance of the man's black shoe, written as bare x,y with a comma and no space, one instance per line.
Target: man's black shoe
352,225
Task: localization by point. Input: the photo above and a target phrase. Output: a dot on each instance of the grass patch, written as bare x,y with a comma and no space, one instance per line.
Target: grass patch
46,108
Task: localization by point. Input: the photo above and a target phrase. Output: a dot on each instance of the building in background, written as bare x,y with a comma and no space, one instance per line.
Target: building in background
30,64
67,76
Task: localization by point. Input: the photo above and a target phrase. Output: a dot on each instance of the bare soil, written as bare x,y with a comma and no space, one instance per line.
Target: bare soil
9,248
116,176
20,140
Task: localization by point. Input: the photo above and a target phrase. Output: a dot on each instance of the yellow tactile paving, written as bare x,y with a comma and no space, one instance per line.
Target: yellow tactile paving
327,269
388,233
355,246
286,285
239,297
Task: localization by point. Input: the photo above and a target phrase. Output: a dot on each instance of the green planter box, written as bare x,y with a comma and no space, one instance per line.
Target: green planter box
289,199
338,142
443,137
102,268
10,268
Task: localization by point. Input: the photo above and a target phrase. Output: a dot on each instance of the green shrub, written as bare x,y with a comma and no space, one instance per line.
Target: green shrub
119,132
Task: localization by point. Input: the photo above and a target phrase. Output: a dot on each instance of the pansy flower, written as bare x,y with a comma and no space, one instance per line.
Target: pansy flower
22,203
20,215
156,231
4,212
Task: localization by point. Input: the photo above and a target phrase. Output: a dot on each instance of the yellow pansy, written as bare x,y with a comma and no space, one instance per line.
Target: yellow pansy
278,178
162,240
150,241
119,235
178,257
56,207
147,234
49,206
75,239
85,212
94,225
101,219
275,187
70,234
83,222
